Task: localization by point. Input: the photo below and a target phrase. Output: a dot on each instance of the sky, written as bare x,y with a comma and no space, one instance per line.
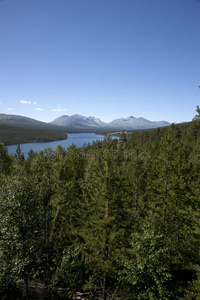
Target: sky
102,58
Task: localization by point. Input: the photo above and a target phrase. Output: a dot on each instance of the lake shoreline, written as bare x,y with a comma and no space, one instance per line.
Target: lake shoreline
78,139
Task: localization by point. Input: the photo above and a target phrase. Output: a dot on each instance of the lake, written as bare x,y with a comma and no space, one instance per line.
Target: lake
79,139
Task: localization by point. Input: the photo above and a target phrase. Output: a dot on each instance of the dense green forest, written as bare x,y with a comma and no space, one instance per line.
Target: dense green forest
18,130
13,135
111,220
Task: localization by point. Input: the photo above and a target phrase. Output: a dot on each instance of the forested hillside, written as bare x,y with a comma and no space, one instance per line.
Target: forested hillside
18,130
12,135
112,220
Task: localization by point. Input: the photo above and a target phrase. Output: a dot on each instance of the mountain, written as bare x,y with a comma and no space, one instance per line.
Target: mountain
16,129
130,123
21,121
78,121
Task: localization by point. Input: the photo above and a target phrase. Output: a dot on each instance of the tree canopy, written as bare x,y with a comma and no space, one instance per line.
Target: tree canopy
111,220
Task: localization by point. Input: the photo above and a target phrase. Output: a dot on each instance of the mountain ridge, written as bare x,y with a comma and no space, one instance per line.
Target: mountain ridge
15,128
129,123
22,121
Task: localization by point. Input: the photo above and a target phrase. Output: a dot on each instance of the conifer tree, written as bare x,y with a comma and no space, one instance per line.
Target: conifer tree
101,233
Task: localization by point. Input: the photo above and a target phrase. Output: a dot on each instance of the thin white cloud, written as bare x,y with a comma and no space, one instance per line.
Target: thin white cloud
39,109
25,102
34,102
10,109
59,109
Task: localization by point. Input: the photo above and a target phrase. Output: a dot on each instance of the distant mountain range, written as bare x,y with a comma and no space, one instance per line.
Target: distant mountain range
19,129
78,121
131,123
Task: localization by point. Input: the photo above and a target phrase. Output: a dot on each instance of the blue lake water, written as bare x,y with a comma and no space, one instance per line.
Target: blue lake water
78,139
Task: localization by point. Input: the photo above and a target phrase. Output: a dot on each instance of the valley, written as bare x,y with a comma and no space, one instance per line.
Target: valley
16,129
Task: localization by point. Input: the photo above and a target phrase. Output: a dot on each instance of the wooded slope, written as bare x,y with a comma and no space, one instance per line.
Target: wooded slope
113,220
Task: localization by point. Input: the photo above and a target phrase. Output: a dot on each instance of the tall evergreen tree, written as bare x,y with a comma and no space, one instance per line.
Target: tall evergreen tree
101,234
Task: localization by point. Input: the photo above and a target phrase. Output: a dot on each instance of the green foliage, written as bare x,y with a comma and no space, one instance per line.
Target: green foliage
19,231
146,268
197,117
5,160
113,220
192,291
70,271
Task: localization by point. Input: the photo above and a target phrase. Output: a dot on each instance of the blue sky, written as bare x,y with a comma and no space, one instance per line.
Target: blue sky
103,58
